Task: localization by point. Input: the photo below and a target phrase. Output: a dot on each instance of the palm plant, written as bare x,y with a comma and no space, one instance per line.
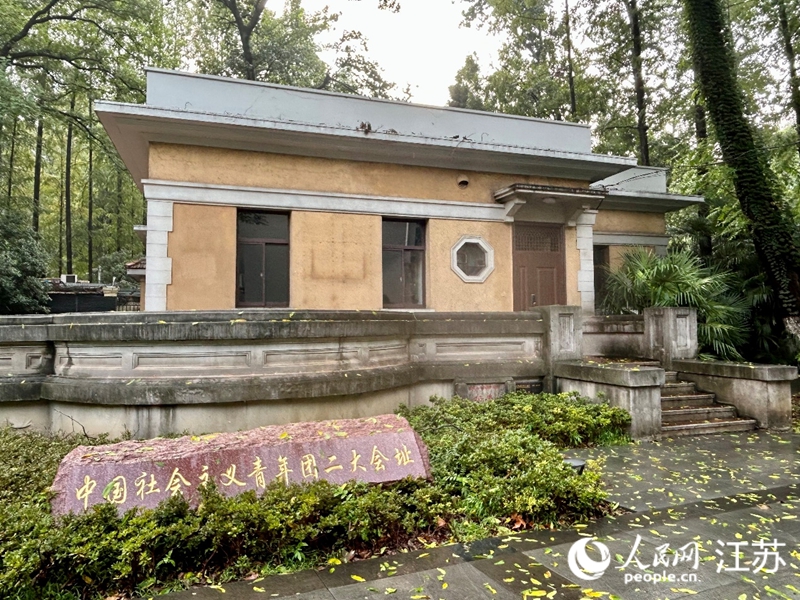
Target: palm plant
679,279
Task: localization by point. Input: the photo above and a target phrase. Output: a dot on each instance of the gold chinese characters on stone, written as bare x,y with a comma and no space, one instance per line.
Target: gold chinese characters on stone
129,474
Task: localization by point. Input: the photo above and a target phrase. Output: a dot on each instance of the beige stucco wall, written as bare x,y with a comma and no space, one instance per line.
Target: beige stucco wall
221,166
335,261
202,246
618,221
446,291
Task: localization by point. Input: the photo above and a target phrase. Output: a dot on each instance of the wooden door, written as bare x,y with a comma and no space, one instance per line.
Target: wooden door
539,265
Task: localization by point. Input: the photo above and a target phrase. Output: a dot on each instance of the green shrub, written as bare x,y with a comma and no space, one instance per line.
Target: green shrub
563,419
493,464
23,262
679,279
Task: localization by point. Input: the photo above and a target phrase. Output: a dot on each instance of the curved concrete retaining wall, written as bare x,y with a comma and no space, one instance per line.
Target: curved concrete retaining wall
156,373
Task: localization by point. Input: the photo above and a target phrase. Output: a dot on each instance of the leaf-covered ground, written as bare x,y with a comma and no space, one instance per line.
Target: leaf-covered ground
712,491
681,470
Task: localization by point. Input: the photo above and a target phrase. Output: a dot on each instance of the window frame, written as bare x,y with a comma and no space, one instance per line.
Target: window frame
403,249
264,242
488,267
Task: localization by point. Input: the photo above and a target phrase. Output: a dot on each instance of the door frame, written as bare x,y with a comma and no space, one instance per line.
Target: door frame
562,293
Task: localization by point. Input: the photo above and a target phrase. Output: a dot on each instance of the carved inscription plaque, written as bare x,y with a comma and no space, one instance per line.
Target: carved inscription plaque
143,473
482,392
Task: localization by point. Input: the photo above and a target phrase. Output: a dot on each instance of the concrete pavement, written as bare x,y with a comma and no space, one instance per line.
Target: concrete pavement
713,517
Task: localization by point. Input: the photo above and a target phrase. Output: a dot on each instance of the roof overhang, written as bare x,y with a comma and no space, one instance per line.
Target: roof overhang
132,127
648,201
596,198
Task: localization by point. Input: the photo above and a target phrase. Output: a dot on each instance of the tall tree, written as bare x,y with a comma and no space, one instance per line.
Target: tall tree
538,72
244,38
638,80
11,157
788,27
245,24
573,101
773,232
90,200
68,191
37,174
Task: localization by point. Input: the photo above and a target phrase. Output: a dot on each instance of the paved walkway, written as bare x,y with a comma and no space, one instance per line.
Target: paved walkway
704,494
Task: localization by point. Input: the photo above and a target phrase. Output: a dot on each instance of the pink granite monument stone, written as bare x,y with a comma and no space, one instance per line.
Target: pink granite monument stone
143,473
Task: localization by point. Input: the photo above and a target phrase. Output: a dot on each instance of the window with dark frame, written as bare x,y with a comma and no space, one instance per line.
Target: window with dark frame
403,264
262,259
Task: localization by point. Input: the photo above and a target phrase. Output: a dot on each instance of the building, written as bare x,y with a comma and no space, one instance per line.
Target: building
270,196
344,216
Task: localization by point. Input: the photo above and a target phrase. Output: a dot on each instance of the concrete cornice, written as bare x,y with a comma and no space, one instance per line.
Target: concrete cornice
279,199
133,127
524,191
606,198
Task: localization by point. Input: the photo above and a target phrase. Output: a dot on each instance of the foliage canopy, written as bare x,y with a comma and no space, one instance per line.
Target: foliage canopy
23,264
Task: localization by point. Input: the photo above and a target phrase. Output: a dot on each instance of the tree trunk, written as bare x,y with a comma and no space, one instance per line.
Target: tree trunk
250,69
119,210
791,58
700,123
638,81
705,245
11,160
90,202
772,230
61,218
68,191
37,174
245,30
573,104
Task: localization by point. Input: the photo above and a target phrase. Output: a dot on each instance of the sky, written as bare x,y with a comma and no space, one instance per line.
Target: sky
422,45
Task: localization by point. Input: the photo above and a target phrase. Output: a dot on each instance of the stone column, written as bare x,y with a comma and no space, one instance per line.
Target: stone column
563,338
158,273
584,225
670,334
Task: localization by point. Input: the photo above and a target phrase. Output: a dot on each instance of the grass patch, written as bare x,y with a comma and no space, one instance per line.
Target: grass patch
497,466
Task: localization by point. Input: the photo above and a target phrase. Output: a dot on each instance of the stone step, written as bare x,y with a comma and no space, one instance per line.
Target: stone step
707,427
679,388
687,401
670,376
700,413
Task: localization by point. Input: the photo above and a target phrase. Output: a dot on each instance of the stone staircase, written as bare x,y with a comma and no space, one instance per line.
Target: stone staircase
686,411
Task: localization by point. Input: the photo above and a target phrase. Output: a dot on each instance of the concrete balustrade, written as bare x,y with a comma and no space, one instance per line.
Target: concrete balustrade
156,373
761,392
633,388
151,374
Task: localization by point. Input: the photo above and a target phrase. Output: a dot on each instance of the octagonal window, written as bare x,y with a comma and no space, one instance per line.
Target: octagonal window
472,259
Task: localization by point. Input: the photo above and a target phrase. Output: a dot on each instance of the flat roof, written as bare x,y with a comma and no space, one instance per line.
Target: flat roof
257,100
185,108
